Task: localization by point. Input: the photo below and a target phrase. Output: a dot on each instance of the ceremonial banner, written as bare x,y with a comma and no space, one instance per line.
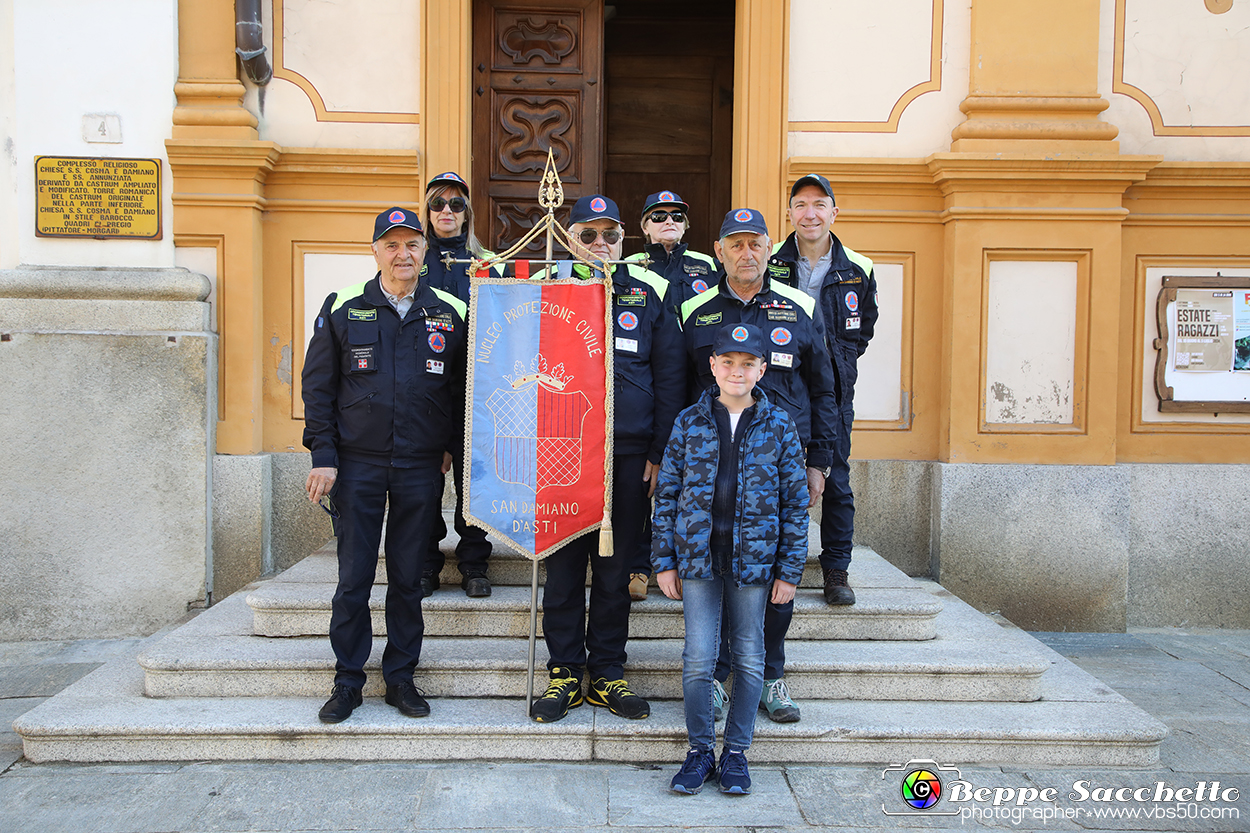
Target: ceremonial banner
538,411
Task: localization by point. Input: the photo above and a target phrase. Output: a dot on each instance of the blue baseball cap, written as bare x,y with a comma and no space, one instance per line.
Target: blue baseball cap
813,179
594,207
450,177
739,338
395,217
662,198
743,219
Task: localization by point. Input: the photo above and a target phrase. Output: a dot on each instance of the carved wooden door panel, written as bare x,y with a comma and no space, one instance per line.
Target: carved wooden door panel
537,65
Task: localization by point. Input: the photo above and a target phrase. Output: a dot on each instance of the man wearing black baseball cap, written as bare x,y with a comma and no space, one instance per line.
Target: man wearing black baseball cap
375,438
649,384
799,379
842,283
665,221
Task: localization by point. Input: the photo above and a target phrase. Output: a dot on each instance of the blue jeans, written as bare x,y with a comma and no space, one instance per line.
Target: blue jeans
702,602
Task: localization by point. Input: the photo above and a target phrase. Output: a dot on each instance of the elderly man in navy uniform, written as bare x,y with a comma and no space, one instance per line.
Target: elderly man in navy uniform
649,382
842,283
800,379
383,388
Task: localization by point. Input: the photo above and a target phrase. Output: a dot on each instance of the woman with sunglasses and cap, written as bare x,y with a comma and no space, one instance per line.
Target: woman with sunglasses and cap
449,222
665,220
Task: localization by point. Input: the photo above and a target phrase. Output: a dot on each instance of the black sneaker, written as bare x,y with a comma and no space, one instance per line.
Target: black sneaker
475,586
837,587
732,774
699,768
407,698
343,701
616,696
564,692
429,583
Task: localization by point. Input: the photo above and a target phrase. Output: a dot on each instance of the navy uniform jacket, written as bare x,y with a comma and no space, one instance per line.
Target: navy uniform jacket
381,390
649,370
799,377
688,273
848,302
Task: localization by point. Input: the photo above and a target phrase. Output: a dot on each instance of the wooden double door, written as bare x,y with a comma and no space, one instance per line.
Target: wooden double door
637,103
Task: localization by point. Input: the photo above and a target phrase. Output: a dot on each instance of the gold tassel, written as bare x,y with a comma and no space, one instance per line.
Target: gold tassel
606,547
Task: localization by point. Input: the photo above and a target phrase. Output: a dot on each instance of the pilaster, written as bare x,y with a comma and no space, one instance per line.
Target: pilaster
210,95
759,137
446,86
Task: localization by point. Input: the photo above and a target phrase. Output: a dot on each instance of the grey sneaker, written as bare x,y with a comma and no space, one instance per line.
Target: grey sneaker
719,698
776,699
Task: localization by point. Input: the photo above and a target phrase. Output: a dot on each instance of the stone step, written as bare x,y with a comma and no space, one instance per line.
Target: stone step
509,568
291,608
1078,722
217,655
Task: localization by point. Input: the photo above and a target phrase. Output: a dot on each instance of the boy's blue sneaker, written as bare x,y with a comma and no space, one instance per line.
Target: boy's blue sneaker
719,699
699,768
733,776
775,698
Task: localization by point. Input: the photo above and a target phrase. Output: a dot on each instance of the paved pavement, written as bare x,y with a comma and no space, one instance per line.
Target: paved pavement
1195,681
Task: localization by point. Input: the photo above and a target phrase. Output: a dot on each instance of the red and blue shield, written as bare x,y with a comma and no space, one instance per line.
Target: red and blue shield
537,429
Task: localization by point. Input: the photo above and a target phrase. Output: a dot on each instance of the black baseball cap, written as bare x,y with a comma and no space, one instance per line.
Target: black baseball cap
662,198
743,219
395,217
739,338
448,177
594,207
813,179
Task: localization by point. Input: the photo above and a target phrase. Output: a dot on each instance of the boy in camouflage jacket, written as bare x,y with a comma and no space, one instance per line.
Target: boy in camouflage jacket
730,522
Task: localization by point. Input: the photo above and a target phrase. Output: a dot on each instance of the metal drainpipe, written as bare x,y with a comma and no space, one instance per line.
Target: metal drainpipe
249,40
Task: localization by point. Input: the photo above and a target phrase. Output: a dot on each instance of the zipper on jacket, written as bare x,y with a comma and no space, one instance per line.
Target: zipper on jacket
358,400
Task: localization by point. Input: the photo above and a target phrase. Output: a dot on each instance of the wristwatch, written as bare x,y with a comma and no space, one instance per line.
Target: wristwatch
826,471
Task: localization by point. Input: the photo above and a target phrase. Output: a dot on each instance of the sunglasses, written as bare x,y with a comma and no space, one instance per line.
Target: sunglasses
328,505
661,216
588,235
458,205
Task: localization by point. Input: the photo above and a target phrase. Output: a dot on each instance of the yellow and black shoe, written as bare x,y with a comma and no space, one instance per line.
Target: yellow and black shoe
564,692
616,696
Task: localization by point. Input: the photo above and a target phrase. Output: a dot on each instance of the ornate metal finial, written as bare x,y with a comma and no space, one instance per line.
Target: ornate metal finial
550,190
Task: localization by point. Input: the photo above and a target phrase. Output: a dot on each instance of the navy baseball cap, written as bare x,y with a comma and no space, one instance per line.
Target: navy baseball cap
594,207
449,177
743,219
662,198
739,338
813,179
395,217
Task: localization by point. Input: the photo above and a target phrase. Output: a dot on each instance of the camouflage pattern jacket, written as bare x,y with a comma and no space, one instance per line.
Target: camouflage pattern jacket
770,529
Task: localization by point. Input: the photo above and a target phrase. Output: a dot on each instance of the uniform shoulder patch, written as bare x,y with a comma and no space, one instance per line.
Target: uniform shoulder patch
452,301
688,308
652,280
796,296
348,293
859,260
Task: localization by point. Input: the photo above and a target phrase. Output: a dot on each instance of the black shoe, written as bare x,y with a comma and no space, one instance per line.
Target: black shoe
429,583
837,588
616,696
476,586
343,701
564,692
407,698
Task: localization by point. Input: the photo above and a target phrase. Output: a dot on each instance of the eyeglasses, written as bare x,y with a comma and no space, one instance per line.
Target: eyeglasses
588,235
660,216
457,204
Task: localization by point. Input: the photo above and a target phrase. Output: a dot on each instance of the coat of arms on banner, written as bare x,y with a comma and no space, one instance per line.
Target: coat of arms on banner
537,426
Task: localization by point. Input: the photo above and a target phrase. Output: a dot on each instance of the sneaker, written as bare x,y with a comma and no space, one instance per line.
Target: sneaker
429,583
699,768
615,694
776,699
638,586
732,774
719,698
475,587
407,698
564,692
343,701
837,587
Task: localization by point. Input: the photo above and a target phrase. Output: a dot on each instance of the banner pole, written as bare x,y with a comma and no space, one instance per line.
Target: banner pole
529,681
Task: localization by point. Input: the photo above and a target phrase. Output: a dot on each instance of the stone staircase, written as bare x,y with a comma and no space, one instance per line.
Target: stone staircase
909,671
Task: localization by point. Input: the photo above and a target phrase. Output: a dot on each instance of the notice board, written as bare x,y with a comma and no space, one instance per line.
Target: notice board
1202,358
